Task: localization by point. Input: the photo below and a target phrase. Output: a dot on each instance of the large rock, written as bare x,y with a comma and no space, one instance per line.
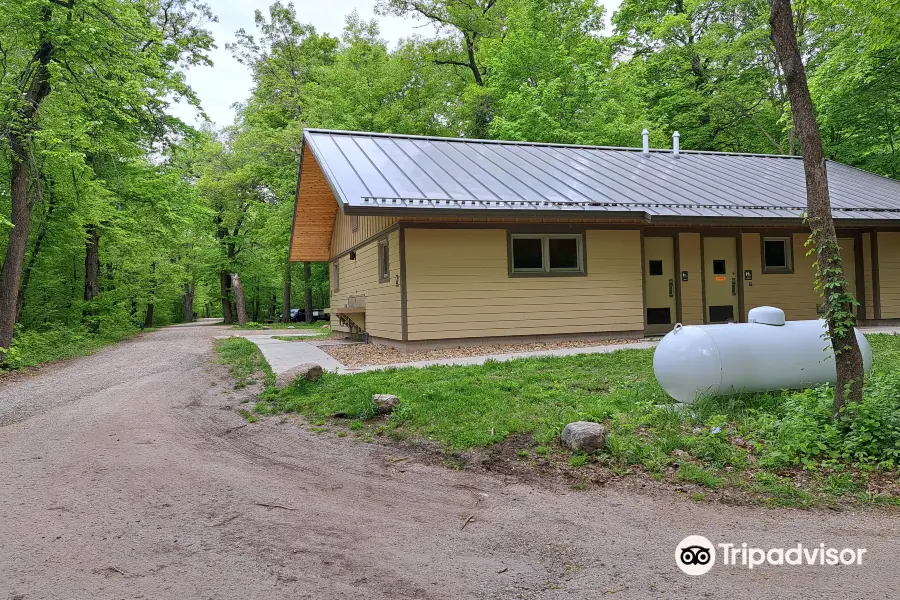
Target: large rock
584,436
385,403
307,371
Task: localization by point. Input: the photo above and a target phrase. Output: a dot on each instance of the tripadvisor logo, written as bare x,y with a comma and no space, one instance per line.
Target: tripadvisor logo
696,555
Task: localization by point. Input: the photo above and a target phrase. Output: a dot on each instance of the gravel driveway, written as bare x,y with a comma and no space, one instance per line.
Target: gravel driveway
128,474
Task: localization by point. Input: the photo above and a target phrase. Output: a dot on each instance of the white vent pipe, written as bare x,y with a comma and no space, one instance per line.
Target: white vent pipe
646,135
676,146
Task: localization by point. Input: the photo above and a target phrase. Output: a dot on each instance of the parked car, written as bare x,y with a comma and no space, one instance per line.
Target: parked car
299,315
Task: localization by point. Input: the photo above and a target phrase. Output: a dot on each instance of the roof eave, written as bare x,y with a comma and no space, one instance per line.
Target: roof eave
632,215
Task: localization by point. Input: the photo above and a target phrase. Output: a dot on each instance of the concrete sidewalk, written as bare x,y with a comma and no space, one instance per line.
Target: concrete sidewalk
283,355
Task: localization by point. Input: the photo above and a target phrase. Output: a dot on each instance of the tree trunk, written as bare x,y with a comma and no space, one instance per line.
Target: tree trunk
307,292
35,88
840,311
286,309
225,289
188,301
35,252
91,263
15,254
148,318
239,301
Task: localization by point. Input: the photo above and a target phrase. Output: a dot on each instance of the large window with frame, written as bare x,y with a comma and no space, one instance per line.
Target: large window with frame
777,255
546,254
384,261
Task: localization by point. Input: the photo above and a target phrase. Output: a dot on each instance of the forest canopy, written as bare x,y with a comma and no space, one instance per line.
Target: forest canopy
115,215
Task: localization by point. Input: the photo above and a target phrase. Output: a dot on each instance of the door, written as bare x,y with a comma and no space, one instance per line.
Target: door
659,284
720,276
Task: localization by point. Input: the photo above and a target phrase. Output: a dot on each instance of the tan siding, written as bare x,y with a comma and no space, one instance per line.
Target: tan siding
889,274
867,271
692,289
314,213
458,286
795,293
345,238
360,278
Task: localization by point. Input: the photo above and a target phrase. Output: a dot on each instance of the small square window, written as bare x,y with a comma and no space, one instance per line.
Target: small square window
719,267
656,267
776,255
384,261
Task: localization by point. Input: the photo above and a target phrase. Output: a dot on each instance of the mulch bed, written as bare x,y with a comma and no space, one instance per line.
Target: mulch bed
359,355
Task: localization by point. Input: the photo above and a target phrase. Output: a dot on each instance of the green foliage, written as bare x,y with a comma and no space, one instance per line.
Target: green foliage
34,347
691,472
868,434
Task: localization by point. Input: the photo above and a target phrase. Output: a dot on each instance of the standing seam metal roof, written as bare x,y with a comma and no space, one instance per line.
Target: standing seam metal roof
386,171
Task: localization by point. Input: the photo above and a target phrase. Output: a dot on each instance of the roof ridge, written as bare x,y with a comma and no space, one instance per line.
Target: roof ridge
668,151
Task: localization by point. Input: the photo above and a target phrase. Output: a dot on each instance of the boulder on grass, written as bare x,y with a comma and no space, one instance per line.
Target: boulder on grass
307,371
385,403
584,436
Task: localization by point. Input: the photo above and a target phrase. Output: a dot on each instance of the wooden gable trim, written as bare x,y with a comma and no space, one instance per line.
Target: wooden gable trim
315,208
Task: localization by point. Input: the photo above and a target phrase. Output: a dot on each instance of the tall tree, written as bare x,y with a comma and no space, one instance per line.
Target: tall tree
120,57
840,305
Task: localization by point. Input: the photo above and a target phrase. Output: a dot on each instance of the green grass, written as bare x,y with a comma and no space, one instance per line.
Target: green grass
245,362
781,445
301,338
33,348
697,474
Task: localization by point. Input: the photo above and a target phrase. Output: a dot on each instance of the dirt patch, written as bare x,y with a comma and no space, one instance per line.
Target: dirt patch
378,354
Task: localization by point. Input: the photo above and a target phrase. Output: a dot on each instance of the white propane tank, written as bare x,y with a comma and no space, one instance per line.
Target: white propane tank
765,354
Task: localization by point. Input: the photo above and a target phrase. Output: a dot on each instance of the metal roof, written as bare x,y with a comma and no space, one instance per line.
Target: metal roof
374,172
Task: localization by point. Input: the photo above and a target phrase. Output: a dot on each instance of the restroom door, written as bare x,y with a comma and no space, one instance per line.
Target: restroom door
720,276
659,284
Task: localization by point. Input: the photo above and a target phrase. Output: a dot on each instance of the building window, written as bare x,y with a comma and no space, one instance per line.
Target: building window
719,267
335,276
777,255
546,254
384,261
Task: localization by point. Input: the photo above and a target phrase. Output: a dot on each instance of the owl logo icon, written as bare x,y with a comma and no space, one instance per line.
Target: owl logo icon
695,555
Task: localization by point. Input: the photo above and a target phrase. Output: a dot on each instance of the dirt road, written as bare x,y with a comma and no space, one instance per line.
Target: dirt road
127,475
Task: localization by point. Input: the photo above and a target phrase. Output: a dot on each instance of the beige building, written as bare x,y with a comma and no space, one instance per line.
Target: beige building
442,241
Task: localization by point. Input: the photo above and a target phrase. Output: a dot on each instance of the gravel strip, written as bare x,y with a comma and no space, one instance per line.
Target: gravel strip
379,354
